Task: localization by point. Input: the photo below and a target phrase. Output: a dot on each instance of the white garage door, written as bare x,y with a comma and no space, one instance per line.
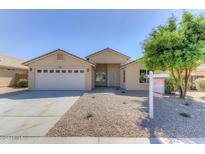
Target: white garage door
61,79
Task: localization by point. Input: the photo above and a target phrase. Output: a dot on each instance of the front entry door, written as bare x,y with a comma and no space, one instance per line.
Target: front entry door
112,78
101,79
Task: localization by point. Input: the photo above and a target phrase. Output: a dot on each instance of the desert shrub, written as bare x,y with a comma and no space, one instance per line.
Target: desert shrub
192,86
186,115
170,85
187,103
23,83
90,114
200,84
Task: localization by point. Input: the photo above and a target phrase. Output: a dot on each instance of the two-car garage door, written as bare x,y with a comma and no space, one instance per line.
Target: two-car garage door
60,79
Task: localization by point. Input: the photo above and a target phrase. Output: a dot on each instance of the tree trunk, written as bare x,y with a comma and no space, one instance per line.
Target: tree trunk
186,80
182,93
181,80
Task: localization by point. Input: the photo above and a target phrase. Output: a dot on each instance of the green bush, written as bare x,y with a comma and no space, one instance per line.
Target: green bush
23,83
170,85
200,84
192,86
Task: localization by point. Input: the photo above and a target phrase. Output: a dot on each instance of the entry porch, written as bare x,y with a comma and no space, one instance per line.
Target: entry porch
107,75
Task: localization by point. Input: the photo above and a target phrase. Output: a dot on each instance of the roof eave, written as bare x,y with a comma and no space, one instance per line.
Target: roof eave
52,52
13,67
105,49
127,64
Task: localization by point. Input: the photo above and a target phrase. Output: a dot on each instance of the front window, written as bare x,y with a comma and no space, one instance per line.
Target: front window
45,71
51,71
144,76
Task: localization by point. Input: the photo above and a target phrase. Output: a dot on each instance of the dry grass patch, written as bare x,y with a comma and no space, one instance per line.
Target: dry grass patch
90,114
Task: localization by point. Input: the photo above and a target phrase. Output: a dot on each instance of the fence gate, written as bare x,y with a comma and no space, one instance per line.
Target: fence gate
20,76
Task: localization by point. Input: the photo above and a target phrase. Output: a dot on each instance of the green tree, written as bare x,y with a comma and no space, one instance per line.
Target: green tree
177,47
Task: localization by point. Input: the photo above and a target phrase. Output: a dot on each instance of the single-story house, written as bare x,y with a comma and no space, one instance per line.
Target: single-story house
61,70
9,67
199,72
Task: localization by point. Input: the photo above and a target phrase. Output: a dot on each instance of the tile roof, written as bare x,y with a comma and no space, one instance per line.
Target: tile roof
11,62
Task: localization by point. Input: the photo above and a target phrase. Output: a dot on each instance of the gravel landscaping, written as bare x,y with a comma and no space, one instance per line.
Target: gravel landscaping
111,112
168,118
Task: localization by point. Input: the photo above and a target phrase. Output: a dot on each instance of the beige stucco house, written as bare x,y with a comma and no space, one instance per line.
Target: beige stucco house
61,70
9,67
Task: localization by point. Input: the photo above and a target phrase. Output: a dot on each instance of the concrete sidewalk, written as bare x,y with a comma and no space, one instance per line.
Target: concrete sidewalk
75,140
9,91
98,140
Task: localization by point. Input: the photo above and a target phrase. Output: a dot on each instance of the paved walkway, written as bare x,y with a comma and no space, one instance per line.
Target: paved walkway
98,140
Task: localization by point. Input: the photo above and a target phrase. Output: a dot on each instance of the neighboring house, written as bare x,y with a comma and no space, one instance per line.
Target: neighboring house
9,67
60,70
199,72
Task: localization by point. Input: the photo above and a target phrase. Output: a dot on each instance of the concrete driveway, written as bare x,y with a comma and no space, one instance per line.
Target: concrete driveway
33,113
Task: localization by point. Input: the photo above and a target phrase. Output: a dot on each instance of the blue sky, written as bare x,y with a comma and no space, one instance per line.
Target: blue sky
30,33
